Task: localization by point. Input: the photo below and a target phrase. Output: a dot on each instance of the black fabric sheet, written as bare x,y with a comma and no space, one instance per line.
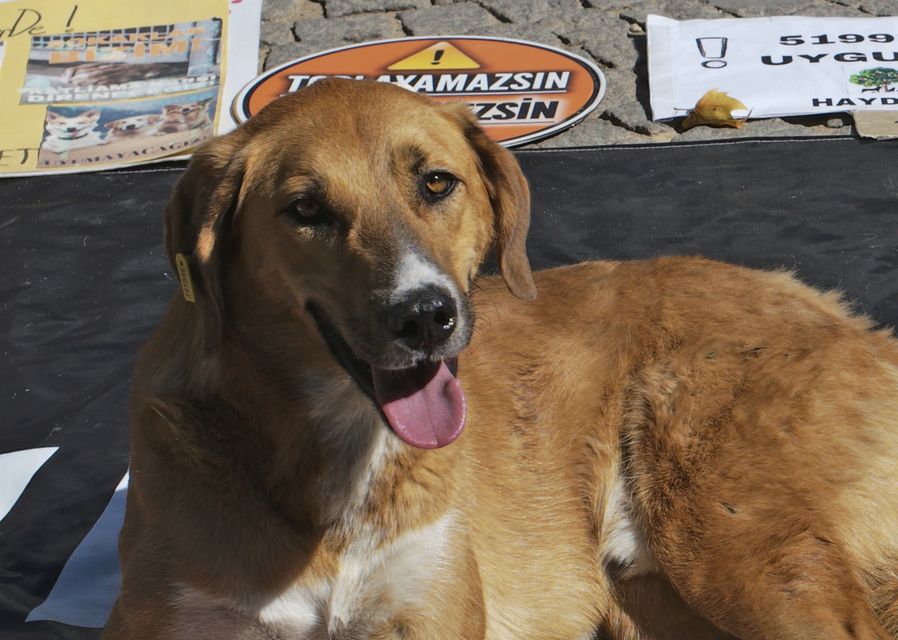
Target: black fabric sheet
85,280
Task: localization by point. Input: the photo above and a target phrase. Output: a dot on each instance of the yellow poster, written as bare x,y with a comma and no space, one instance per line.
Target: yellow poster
93,84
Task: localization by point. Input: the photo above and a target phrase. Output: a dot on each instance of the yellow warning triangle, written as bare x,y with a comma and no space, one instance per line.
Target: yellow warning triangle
439,56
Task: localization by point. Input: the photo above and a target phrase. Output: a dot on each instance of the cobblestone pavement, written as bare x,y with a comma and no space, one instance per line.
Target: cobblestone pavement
609,32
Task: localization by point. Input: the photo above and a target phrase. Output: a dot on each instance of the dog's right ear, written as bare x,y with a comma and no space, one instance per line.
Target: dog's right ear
197,218
510,198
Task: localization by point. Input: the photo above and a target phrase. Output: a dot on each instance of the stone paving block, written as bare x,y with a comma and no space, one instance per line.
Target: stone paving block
879,7
767,128
334,32
281,53
597,129
757,8
827,10
622,106
603,36
338,8
318,35
453,19
531,11
637,11
272,33
289,11
517,32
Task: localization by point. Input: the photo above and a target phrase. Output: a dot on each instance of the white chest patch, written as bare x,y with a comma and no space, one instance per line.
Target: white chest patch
389,578
299,608
625,545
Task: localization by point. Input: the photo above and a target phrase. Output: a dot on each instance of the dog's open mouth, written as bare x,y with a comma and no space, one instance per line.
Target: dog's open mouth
423,404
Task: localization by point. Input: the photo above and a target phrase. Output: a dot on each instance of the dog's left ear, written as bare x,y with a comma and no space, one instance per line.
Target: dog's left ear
510,198
196,220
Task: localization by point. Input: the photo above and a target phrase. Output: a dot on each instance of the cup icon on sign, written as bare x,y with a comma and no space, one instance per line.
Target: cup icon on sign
714,50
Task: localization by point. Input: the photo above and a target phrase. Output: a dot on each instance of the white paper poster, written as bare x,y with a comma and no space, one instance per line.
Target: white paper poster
86,590
778,66
16,470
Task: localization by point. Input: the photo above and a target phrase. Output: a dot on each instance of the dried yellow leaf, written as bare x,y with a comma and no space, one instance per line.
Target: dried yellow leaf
715,109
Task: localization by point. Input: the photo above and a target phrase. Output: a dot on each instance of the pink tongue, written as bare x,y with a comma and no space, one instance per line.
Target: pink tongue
425,406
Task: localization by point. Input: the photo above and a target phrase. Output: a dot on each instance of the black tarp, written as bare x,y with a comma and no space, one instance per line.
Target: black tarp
84,281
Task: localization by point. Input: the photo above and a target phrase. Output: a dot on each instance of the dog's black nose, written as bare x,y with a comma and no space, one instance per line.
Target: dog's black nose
424,321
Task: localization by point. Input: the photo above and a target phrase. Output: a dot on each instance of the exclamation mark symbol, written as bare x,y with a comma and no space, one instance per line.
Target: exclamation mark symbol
437,55
713,50
68,24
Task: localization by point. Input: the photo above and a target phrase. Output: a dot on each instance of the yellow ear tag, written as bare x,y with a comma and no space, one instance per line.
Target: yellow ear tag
184,277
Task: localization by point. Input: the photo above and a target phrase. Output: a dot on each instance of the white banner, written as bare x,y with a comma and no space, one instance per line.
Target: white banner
779,66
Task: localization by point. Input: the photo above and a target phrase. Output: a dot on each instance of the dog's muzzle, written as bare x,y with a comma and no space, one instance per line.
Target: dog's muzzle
421,398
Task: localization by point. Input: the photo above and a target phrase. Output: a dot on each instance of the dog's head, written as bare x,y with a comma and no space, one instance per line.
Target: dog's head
72,126
186,109
132,124
175,112
361,212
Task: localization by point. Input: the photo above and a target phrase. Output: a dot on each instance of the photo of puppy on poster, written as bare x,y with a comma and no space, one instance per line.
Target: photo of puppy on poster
138,131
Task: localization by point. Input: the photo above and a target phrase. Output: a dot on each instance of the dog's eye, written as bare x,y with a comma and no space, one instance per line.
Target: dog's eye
437,185
307,211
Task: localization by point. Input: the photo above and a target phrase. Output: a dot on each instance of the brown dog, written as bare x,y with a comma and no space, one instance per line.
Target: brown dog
674,448
184,117
132,127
